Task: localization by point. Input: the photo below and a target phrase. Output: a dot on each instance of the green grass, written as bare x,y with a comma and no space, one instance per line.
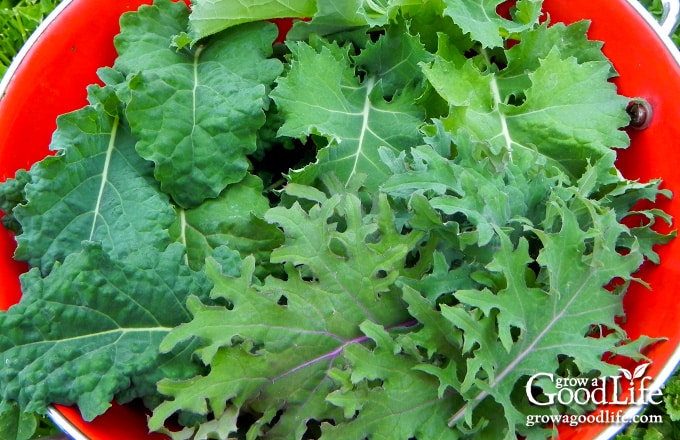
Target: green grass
19,18
669,411
656,9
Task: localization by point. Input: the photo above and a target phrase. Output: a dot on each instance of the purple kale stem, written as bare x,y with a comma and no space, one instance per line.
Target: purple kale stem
333,354
406,324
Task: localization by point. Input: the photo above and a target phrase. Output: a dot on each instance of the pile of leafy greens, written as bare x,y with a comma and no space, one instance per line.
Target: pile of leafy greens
378,228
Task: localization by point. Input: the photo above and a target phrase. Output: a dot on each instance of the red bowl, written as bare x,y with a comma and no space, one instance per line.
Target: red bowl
68,49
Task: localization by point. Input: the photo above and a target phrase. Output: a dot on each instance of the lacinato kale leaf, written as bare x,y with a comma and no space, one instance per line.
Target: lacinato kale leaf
87,333
106,279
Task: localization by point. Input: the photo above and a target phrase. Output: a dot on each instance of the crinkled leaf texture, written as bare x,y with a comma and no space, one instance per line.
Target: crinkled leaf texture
480,250
195,111
321,95
89,331
95,188
12,194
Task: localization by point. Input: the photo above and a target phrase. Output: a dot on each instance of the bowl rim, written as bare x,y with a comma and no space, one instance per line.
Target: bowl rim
662,31
63,423
23,52
58,418
666,27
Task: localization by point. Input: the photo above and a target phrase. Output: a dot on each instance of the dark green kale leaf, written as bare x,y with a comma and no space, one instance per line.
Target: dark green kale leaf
89,331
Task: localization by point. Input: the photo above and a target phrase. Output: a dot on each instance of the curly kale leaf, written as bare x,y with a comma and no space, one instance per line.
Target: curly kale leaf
548,257
536,115
234,219
195,111
96,188
271,348
483,22
322,96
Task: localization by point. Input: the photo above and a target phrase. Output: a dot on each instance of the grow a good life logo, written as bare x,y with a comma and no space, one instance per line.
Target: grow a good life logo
609,390
630,388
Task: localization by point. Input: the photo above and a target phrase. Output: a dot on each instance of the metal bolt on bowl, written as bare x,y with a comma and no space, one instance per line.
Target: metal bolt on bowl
640,112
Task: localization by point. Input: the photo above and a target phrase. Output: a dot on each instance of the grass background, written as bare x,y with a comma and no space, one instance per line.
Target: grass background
19,18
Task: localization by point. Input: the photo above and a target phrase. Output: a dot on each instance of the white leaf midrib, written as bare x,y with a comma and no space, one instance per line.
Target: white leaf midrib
105,175
365,113
529,348
119,330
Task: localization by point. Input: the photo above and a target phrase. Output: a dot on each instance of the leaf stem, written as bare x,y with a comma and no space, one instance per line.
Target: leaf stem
274,185
183,233
105,174
521,356
336,352
497,101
